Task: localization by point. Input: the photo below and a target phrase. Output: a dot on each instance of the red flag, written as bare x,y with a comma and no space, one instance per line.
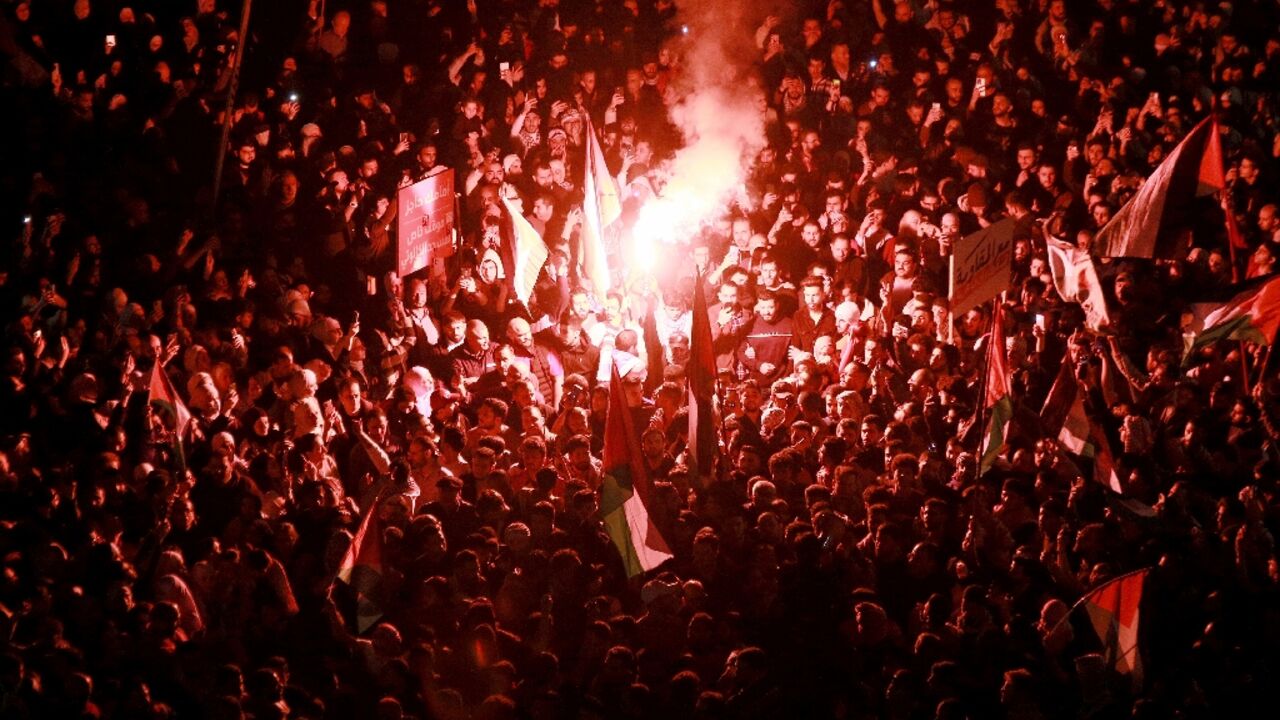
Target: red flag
625,489
701,375
1142,227
361,568
998,398
1235,240
1113,612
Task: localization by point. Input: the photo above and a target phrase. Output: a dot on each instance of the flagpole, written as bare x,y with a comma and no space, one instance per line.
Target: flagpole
1244,365
1224,197
982,394
232,88
1266,363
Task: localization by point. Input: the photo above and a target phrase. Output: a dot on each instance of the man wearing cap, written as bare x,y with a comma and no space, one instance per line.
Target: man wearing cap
457,516
557,143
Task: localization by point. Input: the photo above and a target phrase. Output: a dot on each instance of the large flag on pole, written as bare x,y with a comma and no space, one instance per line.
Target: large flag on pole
1076,279
1113,611
361,569
701,375
1165,201
624,491
1252,315
529,250
170,408
999,393
601,208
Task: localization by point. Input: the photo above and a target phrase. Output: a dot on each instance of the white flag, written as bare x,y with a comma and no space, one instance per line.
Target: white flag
601,207
1076,280
529,250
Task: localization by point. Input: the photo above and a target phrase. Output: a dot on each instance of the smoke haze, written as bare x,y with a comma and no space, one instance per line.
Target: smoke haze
717,113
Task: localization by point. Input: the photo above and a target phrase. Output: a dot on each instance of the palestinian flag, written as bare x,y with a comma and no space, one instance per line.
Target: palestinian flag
601,208
625,489
1166,201
1064,417
997,400
1252,315
168,406
361,569
529,250
1113,614
701,375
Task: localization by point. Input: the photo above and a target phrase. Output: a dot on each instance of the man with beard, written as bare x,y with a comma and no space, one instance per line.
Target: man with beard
728,323
580,464
814,319
763,351
657,461
422,331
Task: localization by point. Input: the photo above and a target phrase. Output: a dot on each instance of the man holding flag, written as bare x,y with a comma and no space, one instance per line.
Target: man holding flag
625,491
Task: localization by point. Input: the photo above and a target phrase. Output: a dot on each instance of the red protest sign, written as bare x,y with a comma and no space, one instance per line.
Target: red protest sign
427,217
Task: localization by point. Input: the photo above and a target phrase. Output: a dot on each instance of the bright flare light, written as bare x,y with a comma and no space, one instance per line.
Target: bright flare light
642,252
720,115
705,175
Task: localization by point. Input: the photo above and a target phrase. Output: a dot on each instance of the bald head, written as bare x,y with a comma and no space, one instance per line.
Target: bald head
519,332
477,336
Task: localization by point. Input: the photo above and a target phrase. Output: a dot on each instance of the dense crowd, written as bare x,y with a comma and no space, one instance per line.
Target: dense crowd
844,559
